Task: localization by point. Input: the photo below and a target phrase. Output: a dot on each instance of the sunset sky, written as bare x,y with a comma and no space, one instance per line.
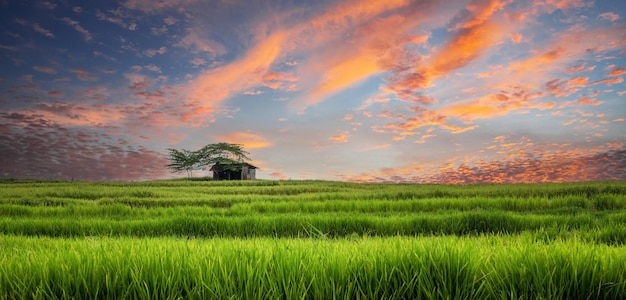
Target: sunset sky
416,91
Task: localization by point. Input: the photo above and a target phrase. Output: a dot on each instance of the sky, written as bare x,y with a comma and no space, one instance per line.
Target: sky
427,91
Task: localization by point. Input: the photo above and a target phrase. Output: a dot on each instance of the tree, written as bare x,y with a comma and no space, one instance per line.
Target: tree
227,156
223,154
183,161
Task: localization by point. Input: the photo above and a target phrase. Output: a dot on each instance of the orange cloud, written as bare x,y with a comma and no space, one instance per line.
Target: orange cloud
588,101
468,45
216,85
565,48
492,105
346,73
340,138
248,140
617,72
609,81
519,166
377,147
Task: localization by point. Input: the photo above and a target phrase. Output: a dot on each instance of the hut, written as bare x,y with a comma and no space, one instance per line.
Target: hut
234,171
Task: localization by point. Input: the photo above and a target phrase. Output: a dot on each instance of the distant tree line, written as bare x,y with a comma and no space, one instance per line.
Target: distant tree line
227,156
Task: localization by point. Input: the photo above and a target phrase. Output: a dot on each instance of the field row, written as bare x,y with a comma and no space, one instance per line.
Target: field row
607,227
180,192
243,204
593,211
496,267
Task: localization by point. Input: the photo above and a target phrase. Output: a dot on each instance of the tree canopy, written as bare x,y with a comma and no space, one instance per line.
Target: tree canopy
224,154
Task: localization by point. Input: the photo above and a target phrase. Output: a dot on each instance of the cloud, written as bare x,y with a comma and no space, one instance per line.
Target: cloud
150,96
153,52
47,5
214,86
340,138
138,82
479,12
74,24
610,16
43,31
525,167
378,32
516,37
248,140
47,70
107,57
149,6
153,68
54,152
83,75
55,93
617,72
550,6
581,68
473,34
170,21
281,81
197,62
199,43
376,147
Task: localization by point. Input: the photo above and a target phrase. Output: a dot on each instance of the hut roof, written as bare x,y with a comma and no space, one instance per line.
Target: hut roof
239,164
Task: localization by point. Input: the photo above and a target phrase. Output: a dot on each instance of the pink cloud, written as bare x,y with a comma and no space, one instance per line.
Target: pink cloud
55,93
516,38
83,75
610,16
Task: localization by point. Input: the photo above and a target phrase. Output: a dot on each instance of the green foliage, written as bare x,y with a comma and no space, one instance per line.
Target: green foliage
183,161
487,267
311,239
226,156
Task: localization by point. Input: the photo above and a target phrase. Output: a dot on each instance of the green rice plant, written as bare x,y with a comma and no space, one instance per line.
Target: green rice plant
487,267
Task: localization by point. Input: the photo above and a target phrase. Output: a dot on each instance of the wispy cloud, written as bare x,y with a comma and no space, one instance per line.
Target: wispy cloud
45,69
76,25
43,31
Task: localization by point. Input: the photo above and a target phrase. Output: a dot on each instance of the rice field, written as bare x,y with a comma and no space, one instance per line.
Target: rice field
182,239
